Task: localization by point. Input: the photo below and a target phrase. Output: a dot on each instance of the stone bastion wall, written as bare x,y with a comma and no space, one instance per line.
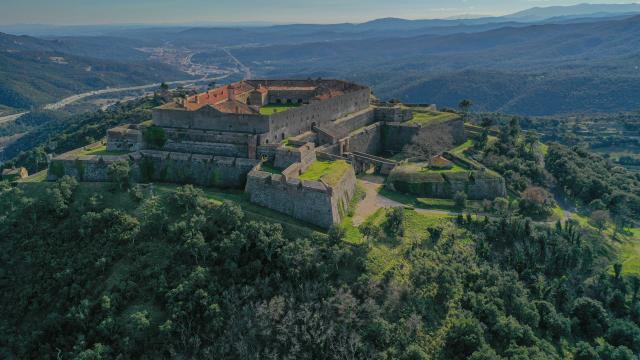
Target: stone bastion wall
477,185
299,120
395,136
311,201
160,166
304,154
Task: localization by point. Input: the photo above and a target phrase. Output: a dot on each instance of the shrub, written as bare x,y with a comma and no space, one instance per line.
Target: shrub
460,199
155,137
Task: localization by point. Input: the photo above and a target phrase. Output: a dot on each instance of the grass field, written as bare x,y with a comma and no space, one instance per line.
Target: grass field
272,109
390,255
329,171
270,168
36,178
460,149
429,117
100,150
629,252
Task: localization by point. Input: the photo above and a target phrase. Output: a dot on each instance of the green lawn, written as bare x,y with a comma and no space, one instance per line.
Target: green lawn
266,167
629,253
455,168
430,203
460,149
428,117
100,150
390,255
272,109
329,171
36,178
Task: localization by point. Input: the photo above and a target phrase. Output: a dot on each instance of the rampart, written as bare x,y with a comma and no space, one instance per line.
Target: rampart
124,138
304,154
312,201
366,140
393,114
162,166
317,113
396,136
208,118
477,185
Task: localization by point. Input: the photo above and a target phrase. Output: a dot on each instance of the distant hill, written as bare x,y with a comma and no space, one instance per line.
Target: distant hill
35,71
580,10
537,70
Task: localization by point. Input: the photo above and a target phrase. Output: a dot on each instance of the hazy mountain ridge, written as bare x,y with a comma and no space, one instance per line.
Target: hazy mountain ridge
35,71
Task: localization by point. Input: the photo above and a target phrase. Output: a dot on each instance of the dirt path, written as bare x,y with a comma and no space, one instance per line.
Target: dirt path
374,201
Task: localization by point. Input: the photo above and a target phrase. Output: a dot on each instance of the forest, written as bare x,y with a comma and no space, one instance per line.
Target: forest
103,271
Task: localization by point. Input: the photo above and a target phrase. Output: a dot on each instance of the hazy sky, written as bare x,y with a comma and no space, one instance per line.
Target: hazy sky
280,11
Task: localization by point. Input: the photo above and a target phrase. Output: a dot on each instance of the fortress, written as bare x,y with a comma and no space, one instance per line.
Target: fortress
295,146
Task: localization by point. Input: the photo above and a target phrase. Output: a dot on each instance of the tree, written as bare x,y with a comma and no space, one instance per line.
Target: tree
624,333
600,218
465,336
584,351
589,318
460,199
501,206
118,173
164,87
535,201
395,221
188,198
464,106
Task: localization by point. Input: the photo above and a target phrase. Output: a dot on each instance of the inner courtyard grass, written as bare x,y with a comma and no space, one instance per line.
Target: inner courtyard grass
428,117
268,167
276,108
100,150
328,171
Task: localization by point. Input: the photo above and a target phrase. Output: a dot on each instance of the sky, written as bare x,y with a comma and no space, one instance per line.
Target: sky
83,12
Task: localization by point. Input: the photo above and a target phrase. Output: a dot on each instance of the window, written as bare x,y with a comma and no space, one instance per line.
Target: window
278,101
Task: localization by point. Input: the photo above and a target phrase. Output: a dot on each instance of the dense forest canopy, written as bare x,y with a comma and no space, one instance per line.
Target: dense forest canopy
97,271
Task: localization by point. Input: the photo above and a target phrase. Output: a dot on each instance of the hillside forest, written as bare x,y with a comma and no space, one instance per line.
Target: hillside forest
120,270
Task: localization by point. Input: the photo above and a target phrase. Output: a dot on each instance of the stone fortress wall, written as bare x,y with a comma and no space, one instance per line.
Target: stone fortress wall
159,166
396,136
312,201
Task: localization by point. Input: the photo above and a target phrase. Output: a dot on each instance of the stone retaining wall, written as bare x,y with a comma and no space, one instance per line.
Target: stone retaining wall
160,166
311,201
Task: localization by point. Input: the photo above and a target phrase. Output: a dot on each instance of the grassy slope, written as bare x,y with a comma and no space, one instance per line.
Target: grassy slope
431,117
328,171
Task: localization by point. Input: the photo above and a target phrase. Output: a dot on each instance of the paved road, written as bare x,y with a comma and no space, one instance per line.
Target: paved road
71,99
13,117
243,68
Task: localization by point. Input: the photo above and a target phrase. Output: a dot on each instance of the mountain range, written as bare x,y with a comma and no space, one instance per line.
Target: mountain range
540,61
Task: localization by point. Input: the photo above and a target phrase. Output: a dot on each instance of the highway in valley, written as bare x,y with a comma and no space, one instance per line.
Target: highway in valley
74,98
